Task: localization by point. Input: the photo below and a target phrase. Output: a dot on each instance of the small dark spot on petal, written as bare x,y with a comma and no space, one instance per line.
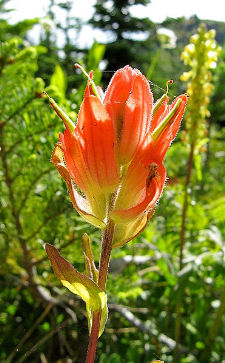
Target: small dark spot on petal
152,173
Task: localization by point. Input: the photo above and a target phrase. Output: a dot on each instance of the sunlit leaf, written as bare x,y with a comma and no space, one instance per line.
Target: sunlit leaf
58,80
80,285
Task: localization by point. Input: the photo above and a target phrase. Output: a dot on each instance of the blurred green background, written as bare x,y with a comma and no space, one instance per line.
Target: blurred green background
166,289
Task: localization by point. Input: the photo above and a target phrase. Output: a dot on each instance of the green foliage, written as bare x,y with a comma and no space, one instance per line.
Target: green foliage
33,204
58,80
94,57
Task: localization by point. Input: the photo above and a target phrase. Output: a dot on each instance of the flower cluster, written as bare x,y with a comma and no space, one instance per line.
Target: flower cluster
112,159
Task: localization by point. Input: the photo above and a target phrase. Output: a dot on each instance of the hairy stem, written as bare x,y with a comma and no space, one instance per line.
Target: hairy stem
103,272
105,254
93,340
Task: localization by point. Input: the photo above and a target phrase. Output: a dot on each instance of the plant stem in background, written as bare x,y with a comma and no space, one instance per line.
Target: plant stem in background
185,205
103,272
182,241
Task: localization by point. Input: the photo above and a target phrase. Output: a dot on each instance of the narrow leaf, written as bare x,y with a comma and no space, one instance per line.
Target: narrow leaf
89,258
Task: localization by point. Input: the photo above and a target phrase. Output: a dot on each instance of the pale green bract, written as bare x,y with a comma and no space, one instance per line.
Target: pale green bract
79,284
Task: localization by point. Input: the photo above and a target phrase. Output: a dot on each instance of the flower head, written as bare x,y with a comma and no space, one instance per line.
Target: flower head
112,160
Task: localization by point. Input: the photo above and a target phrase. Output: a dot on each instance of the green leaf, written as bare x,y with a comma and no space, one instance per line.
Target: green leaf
95,55
75,281
164,269
80,285
58,80
197,157
11,309
198,168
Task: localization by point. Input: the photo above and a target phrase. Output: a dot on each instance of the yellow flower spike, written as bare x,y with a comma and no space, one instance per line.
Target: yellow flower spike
199,81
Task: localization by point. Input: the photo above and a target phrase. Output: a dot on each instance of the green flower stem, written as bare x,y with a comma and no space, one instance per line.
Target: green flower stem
103,272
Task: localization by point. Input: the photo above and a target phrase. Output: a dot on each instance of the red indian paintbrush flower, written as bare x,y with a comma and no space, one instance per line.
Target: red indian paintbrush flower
112,160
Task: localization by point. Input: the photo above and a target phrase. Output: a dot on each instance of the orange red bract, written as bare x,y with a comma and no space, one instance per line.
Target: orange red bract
115,153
